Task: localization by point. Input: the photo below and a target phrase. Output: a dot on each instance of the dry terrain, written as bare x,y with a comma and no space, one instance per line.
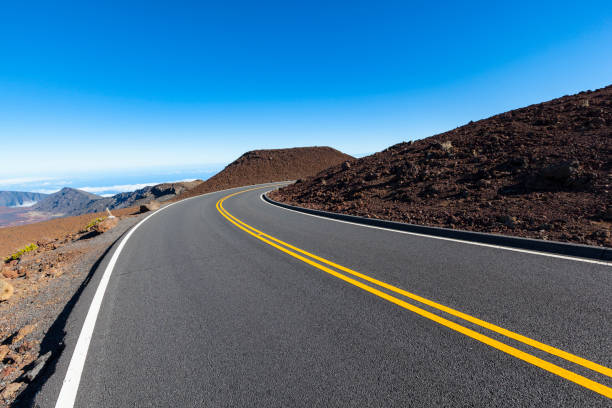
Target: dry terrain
44,284
543,171
14,238
44,280
71,202
263,166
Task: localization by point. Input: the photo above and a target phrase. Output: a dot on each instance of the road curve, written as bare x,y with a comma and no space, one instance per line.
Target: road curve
207,306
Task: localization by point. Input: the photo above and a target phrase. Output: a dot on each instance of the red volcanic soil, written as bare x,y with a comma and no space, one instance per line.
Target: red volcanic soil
544,171
263,166
16,237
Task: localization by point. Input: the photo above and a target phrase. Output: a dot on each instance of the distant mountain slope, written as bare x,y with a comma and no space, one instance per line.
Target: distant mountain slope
67,201
159,192
19,198
543,171
72,202
262,166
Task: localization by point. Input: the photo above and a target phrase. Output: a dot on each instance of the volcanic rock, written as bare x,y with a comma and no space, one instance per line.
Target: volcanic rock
264,166
6,290
545,164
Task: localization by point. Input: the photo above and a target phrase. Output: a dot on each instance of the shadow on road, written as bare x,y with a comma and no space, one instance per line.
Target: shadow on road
54,340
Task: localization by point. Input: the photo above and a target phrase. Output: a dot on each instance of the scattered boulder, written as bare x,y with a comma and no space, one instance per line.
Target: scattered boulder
38,366
447,146
55,272
608,214
508,221
4,349
10,390
107,224
24,331
346,165
6,290
12,272
542,163
151,206
561,171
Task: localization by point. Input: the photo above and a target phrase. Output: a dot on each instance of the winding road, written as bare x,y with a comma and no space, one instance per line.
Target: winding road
226,300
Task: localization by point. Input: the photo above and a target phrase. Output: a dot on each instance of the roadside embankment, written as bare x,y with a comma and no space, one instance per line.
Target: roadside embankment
43,280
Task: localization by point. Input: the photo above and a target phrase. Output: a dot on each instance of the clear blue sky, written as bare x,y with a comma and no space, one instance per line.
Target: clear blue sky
109,86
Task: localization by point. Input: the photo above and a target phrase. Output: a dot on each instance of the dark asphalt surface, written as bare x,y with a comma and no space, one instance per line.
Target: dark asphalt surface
199,313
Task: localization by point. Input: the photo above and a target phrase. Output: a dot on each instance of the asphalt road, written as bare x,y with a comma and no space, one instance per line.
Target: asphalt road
199,312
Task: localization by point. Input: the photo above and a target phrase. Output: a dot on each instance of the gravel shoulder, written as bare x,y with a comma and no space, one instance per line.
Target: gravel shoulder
50,279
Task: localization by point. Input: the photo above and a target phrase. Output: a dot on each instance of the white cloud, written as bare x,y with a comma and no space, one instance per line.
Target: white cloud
24,204
124,188
23,180
121,188
46,191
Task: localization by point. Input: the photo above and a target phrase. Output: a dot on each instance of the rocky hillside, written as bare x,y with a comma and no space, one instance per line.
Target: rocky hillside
19,198
67,201
544,171
72,202
262,166
159,192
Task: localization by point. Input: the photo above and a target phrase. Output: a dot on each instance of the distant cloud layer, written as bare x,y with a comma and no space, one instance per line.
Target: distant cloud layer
123,188
23,180
24,204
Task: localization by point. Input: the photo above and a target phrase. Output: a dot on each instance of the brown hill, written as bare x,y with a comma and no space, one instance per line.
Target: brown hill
263,166
544,171
16,237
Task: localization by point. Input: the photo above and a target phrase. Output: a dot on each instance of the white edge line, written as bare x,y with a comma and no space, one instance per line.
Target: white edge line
526,251
70,385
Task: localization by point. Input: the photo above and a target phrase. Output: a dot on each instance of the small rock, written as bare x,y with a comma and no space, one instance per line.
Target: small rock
7,371
27,345
371,176
446,146
561,171
10,390
40,364
24,331
508,221
107,224
6,290
4,349
346,165
602,234
12,273
151,206
483,183
55,272
608,214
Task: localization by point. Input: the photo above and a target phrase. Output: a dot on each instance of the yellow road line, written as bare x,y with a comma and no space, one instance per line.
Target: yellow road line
569,375
515,336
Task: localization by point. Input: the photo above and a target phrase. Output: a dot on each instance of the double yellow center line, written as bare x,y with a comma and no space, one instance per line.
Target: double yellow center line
320,263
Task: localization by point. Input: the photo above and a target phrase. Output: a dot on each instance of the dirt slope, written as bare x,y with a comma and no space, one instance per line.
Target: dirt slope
262,166
14,238
544,171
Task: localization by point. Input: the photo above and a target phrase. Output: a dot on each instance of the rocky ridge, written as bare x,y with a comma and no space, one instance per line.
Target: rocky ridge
543,171
263,166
